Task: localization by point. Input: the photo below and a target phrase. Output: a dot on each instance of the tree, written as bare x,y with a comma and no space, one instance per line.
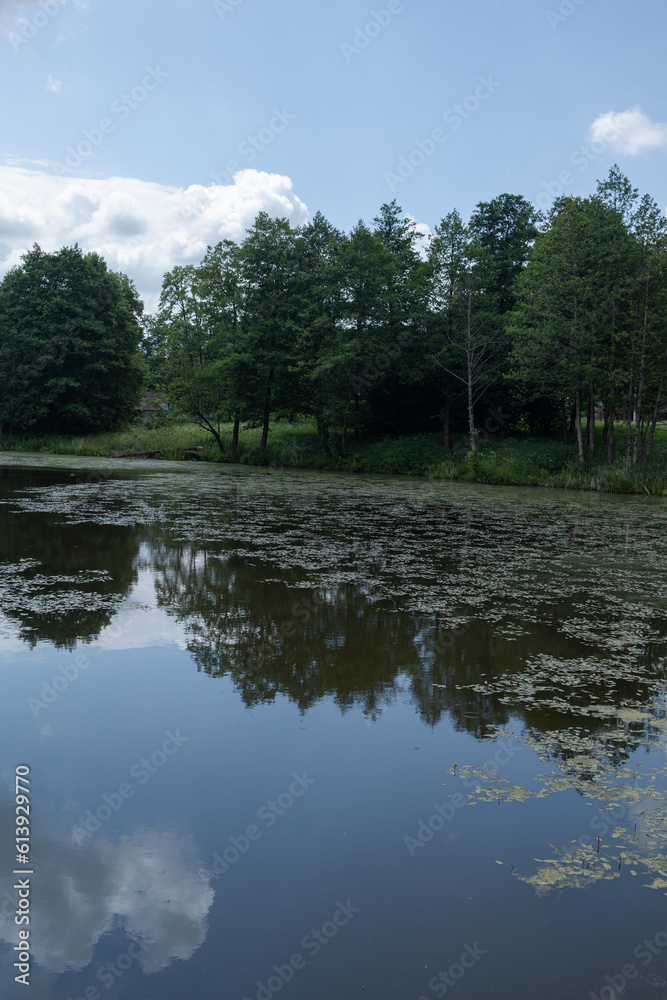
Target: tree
506,227
318,289
617,193
398,385
649,339
223,293
264,367
564,298
69,345
367,265
194,363
465,302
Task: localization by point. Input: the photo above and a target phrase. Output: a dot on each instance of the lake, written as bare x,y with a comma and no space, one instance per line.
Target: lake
317,736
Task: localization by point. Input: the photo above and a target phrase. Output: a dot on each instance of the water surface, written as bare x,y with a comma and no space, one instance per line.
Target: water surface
326,736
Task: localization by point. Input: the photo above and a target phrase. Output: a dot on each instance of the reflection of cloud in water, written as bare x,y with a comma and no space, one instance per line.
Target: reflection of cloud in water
147,885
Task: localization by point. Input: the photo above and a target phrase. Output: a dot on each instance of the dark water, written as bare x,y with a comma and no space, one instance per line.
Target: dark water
250,702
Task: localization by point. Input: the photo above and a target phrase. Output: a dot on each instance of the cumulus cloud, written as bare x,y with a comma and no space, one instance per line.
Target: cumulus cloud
630,132
139,227
424,235
53,85
151,885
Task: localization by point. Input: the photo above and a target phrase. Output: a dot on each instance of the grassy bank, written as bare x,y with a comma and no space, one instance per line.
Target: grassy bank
504,461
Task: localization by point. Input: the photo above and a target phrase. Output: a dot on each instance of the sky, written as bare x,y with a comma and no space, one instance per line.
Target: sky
148,129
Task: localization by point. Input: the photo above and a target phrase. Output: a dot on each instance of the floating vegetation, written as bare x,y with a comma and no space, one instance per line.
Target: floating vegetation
569,591
587,766
36,597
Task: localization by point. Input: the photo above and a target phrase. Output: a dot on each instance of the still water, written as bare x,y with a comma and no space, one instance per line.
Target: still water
330,737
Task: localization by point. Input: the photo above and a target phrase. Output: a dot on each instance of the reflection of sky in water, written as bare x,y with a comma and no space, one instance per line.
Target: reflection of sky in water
147,885
138,624
529,582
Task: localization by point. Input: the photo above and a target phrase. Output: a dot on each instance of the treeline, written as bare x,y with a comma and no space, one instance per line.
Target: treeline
511,319
545,325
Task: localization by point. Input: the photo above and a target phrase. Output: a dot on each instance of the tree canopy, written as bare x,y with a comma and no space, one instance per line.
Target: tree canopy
556,322
69,345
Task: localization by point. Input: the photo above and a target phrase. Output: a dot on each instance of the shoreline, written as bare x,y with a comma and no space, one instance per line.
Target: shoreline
498,461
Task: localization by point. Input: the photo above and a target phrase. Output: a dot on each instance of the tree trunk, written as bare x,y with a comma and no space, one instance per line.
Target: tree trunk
447,435
235,432
471,414
656,414
267,417
573,418
343,438
580,434
591,423
610,440
642,374
203,422
563,410
319,416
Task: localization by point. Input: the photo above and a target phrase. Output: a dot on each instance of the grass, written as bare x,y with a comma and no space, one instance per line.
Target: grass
517,461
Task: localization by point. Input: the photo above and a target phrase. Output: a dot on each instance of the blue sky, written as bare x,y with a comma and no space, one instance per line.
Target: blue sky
128,119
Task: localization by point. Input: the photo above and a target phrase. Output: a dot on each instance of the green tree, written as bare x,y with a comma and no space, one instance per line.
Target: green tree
649,331
193,368
69,345
618,195
506,227
367,268
465,308
318,289
264,364
564,299
223,292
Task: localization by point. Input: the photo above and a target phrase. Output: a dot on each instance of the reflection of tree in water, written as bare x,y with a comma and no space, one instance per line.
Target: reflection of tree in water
59,582
276,639
281,637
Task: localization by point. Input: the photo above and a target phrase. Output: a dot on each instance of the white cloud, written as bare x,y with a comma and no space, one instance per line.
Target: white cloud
630,132
151,885
139,227
424,235
53,85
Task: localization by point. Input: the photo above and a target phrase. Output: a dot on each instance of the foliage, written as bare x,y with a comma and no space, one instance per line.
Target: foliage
69,337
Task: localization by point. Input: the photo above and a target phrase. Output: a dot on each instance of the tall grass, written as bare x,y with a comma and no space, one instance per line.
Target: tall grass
502,460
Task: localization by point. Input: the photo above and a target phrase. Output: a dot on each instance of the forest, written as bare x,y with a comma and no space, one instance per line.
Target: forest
515,322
